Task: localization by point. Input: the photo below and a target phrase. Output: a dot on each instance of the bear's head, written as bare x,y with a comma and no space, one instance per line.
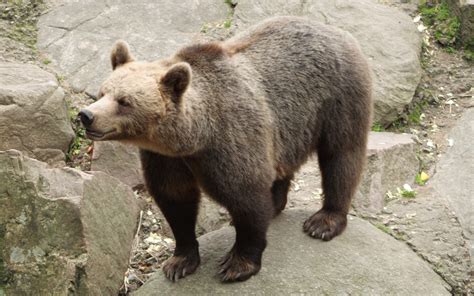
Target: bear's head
136,98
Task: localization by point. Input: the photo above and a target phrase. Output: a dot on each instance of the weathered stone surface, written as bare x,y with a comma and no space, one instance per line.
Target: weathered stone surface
62,231
391,163
79,35
394,56
362,261
33,115
118,160
454,179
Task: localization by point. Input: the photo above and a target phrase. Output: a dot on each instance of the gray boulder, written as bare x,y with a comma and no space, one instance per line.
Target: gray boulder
62,231
387,36
33,113
362,261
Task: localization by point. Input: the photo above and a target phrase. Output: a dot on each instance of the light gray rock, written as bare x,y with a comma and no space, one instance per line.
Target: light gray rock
79,35
62,231
387,36
118,160
454,179
391,163
33,113
362,261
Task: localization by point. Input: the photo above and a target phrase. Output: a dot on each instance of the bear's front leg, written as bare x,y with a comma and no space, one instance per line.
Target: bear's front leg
251,212
177,194
181,216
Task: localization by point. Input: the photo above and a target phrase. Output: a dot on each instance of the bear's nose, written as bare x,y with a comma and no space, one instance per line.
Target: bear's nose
86,117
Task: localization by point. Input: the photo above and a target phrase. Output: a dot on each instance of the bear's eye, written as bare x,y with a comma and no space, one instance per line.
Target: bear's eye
123,102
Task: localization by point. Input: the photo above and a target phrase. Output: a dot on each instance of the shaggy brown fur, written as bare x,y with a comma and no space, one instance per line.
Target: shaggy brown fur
237,119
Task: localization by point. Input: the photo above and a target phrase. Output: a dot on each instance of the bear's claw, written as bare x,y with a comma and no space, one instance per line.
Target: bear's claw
237,268
325,225
179,266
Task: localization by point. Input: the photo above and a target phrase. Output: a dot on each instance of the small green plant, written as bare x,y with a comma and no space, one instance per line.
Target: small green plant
468,55
406,191
377,127
421,178
46,61
80,141
383,228
227,23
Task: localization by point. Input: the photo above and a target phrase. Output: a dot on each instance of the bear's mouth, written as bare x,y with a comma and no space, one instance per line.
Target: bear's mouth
98,135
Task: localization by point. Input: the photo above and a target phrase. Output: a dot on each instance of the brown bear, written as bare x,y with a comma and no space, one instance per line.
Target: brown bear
236,119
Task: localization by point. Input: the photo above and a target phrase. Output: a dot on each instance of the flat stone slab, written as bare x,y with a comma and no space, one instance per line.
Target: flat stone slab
362,261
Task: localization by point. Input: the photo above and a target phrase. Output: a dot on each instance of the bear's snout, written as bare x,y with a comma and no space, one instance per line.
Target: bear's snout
86,117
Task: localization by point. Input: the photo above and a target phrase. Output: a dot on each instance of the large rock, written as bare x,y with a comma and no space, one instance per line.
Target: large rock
387,36
362,261
62,231
33,113
79,35
454,179
118,160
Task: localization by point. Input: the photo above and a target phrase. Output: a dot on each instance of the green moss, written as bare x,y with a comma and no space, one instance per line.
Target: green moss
446,27
377,127
468,55
383,228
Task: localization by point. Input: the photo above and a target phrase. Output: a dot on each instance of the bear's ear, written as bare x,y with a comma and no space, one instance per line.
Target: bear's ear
120,54
175,82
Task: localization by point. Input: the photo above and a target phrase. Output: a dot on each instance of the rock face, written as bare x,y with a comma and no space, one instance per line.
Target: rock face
455,175
33,114
362,261
118,160
62,231
79,35
391,163
394,57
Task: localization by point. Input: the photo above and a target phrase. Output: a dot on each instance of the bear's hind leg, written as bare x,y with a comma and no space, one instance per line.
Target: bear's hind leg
177,194
280,190
340,172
